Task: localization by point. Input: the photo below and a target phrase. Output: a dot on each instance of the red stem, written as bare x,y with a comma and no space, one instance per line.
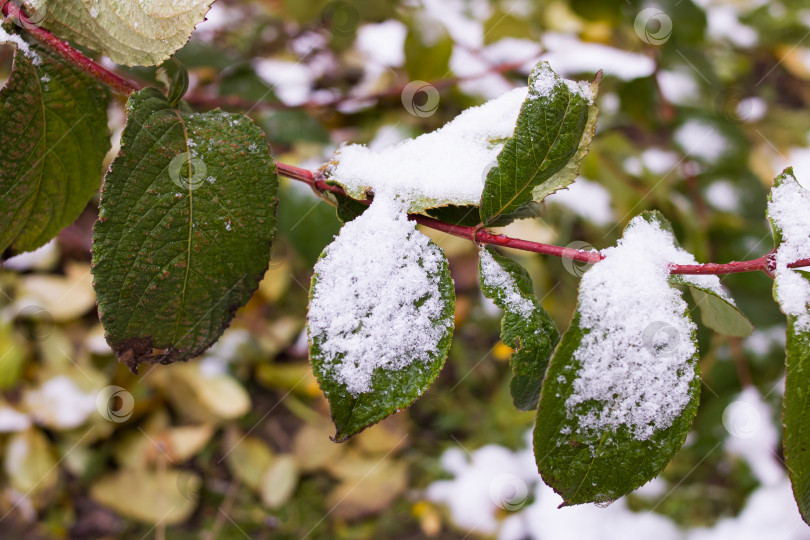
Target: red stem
478,235
483,236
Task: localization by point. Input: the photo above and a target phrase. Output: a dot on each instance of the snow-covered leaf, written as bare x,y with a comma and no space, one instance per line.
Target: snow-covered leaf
789,213
553,132
133,33
526,327
53,131
622,387
185,223
380,317
444,167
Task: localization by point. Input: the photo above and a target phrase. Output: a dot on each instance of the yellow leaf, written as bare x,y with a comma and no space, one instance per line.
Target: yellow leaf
150,497
279,481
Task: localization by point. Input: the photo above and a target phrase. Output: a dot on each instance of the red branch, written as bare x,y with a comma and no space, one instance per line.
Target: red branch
483,236
478,235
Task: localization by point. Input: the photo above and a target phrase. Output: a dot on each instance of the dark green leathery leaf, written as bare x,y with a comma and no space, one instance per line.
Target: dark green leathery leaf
54,135
622,386
380,317
553,132
788,207
185,224
526,327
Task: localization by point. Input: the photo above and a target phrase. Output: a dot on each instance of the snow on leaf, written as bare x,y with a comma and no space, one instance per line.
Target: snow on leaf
526,327
446,166
789,213
380,316
622,387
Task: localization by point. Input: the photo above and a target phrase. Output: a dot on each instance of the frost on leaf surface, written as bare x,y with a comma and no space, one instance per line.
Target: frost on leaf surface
622,387
186,220
789,212
526,327
446,166
380,316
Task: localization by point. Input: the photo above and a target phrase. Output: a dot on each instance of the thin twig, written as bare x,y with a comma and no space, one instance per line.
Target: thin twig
478,235
483,236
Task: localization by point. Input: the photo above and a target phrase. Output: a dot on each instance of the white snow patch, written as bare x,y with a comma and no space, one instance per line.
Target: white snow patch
24,47
59,403
510,49
570,56
788,208
722,195
469,66
702,140
290,80
383,43
495,277
753,436
216,360
463,19
678,87
477,494
724,24
799,159
635,355
469,496
42,258
13,420
609,103
363,309
587,199
633,166
448,163
763,340
659,161
752,109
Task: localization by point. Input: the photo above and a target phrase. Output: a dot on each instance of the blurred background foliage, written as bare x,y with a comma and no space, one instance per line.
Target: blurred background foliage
695,119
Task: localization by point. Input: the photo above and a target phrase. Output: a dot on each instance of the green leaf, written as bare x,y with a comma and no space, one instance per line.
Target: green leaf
468,215
596,449
347,208
582,469
464,215
719,313
380,318
552,135
54,135
129,33
427,52
796,403
526,327
796,411
185,223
